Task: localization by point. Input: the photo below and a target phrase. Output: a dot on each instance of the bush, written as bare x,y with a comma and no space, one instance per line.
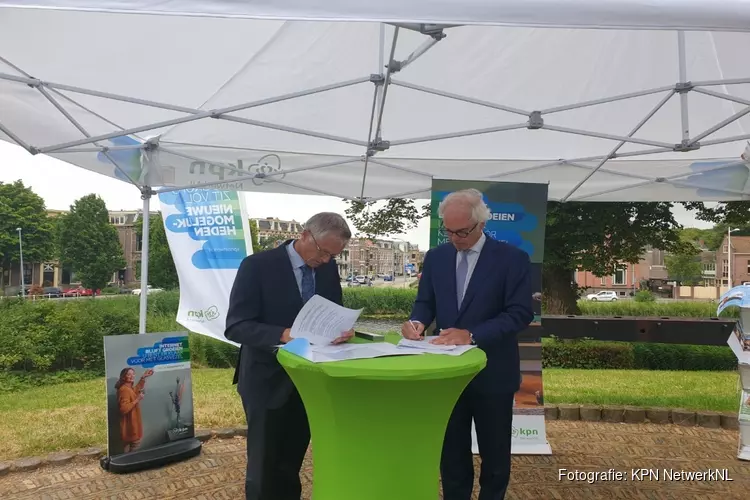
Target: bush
644,296
594,354
588,354
386,301
674,309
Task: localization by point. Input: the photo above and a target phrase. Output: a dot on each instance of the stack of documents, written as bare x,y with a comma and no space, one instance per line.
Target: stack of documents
424,346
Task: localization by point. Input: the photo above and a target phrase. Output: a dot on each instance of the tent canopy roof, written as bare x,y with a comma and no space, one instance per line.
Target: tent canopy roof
235,95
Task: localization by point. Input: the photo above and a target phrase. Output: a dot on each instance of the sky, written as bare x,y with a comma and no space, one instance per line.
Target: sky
60,184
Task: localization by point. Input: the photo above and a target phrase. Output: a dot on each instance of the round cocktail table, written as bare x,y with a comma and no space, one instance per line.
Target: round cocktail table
377,425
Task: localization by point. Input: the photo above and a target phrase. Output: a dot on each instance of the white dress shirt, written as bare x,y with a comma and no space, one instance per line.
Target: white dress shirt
472,256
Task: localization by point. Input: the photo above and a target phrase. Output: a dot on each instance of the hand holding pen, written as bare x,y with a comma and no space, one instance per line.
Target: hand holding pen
412,330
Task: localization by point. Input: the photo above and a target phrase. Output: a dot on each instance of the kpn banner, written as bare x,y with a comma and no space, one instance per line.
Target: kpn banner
519,216
209,234
149,391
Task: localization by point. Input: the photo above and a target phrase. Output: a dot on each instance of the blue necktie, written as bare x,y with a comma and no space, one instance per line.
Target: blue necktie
308,284
462,270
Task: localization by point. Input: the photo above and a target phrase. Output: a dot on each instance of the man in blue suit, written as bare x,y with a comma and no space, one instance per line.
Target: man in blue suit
478,291
269,290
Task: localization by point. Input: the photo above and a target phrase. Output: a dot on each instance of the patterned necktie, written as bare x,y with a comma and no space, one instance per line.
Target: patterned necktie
308,284
462,270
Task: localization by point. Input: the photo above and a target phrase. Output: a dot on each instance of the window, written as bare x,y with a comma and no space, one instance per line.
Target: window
619,277
725,268
604,281
748,266
725,249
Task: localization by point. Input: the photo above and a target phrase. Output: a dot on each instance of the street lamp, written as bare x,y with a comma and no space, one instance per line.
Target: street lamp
729,256
20,251
403,259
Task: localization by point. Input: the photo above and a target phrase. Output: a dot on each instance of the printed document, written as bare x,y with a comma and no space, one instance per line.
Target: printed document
426,347
321,321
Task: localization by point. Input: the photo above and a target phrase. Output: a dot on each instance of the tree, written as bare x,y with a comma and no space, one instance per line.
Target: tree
161,269
595,237
254,235
21,207
89,243
684,268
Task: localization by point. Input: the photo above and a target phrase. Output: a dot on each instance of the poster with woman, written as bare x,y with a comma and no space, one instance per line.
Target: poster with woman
149,393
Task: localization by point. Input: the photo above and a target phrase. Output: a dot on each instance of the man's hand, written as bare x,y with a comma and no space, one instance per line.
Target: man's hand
412,330
453,336
345,337
286,336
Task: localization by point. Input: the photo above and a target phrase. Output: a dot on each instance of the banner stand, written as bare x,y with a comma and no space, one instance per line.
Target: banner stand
518,217
152,458
149,402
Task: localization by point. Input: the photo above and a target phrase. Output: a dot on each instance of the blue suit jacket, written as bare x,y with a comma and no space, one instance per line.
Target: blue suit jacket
496,307
265,300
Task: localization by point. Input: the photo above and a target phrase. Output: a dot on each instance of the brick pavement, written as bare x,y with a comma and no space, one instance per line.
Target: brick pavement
577,446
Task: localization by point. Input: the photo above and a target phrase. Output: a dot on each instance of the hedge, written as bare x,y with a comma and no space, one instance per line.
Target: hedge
52,335
594,354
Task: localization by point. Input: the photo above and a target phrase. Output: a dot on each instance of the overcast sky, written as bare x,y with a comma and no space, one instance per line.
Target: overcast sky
60,184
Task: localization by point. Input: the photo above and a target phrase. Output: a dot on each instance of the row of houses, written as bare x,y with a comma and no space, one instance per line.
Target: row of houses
361,257
651,272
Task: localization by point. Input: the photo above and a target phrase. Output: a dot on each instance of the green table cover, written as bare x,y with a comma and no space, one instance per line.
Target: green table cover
378,425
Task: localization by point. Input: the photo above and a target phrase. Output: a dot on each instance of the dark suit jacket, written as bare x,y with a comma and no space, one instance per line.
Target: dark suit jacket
265,300
496,307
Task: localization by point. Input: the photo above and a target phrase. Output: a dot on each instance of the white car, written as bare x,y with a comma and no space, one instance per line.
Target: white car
149,290
602,297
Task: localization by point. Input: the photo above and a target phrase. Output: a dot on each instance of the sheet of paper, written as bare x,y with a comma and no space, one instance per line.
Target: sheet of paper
426,347
344,352
321,321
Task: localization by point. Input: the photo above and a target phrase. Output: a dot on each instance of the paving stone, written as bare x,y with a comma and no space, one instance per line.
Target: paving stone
5,468
657,415
240,431
60,457
730,421
634,415
680,416
551,412
27,464
710,419
93,452
203,435
224,433
613,414
569,412
591,413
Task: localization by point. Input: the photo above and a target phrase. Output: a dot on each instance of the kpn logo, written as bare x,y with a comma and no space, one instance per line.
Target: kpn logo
524,433
208,314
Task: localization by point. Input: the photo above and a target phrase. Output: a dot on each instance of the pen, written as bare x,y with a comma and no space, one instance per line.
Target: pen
414,327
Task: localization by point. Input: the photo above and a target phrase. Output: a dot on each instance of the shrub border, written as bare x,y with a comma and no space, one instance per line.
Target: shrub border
571,412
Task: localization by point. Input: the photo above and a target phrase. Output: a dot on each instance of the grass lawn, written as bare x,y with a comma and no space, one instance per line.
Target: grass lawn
72,415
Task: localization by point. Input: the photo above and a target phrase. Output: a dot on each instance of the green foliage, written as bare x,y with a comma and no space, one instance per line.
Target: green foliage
644,296
386,301
588,354
396,216
676,309
684,268
89,243
161,269
21,207
594,354
20,381
254,235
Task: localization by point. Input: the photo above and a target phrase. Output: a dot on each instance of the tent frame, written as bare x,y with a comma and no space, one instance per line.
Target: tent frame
375,143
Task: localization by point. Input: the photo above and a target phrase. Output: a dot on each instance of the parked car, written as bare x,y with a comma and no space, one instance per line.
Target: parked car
52,292
602,297
149,290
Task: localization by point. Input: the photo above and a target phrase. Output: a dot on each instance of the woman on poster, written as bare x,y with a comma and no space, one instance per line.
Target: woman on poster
129,397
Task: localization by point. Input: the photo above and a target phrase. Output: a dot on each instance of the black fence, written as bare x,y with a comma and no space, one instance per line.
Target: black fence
709,331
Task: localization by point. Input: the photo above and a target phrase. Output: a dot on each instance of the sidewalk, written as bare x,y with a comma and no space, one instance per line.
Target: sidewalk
218,473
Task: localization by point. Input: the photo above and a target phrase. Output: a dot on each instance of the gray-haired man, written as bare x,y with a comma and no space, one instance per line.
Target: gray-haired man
269,291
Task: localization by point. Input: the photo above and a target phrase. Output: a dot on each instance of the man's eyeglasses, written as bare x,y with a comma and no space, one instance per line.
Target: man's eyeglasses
461,233
322,252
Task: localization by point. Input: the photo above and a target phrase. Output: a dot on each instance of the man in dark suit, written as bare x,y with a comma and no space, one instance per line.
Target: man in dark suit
478,291
270,289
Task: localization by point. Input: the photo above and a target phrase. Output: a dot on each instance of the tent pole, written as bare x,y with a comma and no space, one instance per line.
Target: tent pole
683,88
146,197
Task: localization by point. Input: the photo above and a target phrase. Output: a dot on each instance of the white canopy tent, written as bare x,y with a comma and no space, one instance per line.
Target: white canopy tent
606,100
